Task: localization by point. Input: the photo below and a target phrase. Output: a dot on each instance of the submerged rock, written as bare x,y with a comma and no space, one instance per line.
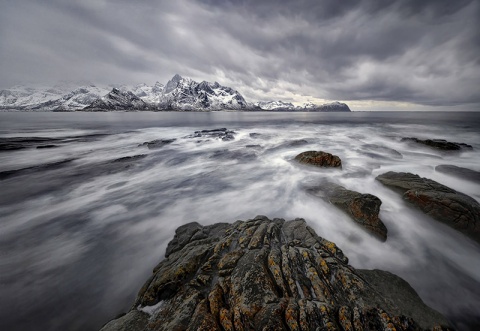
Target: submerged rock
266,275
157,143
459,172
453,208
440,144
362,208
319,159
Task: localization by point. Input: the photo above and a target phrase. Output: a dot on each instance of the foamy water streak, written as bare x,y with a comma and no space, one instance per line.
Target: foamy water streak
79,239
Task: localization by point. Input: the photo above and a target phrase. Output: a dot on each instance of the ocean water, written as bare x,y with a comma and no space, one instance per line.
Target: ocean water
82,226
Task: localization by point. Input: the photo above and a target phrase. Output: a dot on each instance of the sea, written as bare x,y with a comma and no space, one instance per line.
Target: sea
87,209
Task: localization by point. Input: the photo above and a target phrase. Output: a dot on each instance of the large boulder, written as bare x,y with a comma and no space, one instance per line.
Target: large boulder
453,208
319,159
362,208
265,275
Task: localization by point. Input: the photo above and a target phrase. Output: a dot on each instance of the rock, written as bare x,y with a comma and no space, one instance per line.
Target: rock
263,274
133,321
362,208
16,143
440,144
222,133
319,159
158,143
459,172
453,208
404,298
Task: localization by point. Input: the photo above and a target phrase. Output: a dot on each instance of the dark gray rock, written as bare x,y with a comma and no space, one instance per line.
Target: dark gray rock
463,173
157,143
362,208
453,208
404,300
222,133
439,144
263,275
319,159
134,320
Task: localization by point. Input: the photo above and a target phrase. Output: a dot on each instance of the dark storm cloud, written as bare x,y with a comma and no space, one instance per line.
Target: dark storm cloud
423,52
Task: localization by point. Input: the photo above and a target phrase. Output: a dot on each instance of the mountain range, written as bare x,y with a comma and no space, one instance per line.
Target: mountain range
180,94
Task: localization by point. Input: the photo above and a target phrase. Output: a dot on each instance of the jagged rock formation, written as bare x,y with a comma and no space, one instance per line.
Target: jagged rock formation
453,208
459,172
319,159
118,100
267,275
186,94
362,208
439,144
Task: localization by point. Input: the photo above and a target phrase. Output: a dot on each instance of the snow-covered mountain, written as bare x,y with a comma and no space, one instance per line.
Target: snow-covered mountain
65,97
308,106
179,93
274,105
333,106
118,100
186,94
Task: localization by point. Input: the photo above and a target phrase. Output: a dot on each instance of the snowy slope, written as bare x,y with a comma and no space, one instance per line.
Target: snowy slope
118,100
186,94
275,105
333,106
23,97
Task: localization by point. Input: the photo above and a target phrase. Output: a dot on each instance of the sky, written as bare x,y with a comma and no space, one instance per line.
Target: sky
388,54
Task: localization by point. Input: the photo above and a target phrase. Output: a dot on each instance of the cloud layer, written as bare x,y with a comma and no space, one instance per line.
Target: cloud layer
421,52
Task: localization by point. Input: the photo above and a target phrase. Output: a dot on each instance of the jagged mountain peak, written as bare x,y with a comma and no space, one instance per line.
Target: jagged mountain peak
172,83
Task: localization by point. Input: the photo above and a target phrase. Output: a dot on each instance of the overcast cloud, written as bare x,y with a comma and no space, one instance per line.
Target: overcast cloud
420,52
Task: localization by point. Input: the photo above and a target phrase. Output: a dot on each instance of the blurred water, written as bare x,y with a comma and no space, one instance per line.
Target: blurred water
78,238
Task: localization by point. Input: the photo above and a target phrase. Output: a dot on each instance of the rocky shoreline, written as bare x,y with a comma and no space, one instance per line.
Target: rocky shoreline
265,274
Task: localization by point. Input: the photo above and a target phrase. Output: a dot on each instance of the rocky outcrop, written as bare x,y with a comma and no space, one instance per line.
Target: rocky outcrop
362,208
222,133
319,159
453,208
460,172
264,275
439,144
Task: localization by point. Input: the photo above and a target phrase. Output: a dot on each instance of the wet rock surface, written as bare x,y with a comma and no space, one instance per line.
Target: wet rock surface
157,143
362,208
439,144
319,159
453,208
222,133
266,274
459,172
